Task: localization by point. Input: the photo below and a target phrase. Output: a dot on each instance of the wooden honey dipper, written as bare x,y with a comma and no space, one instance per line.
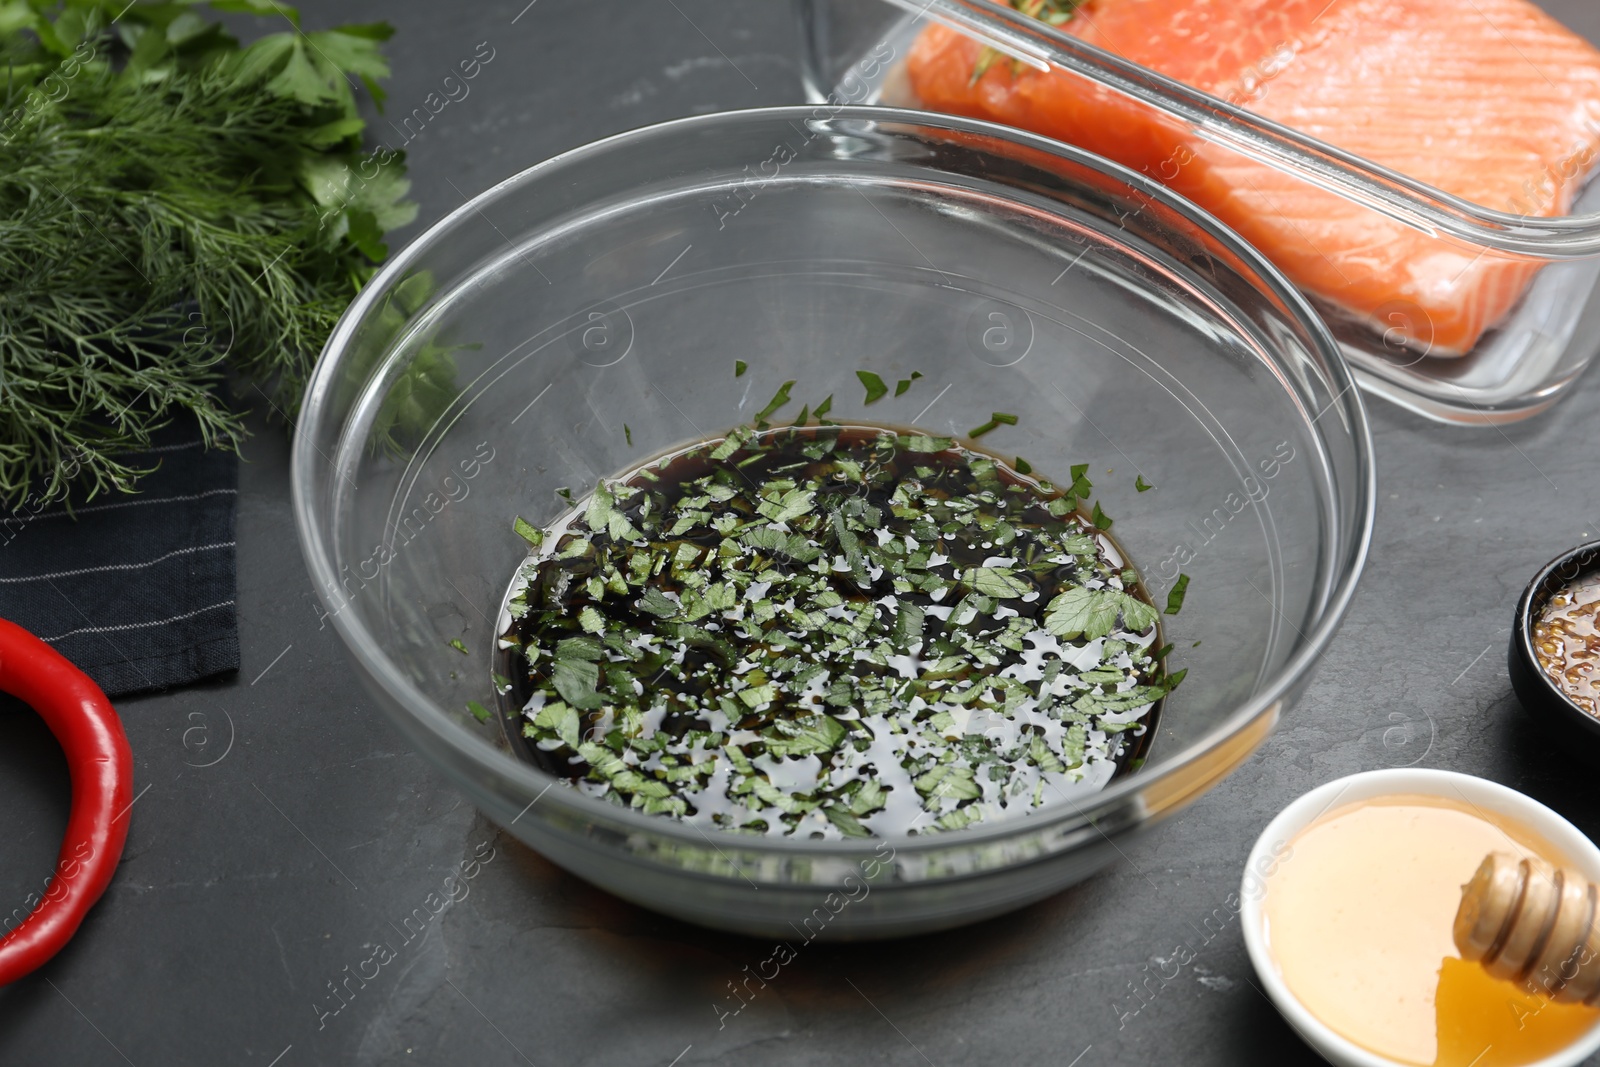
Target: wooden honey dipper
1530,922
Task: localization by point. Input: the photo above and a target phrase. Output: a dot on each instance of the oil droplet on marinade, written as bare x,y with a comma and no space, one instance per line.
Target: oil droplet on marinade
1358,920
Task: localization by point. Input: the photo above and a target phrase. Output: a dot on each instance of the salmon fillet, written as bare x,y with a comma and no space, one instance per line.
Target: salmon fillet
1491,100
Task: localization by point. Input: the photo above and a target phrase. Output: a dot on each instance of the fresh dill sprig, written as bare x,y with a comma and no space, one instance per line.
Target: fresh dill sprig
174,209
1053,12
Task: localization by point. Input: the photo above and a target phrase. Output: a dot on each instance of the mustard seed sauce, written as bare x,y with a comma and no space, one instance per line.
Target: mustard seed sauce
1567,641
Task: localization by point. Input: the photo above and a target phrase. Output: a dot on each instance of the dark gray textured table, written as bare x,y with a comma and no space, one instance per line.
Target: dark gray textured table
281,827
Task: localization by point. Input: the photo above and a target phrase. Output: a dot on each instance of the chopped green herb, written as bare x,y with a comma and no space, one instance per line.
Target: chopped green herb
528,531
1175,596
730,444
919,442
824,407
780,398
903,384
1137,616
479,712
726,641
996,420
1141,485
455,643
875,387
1023,466
576,680
655,602
739,367
998,582
1081,612
1101,521
628,434
1081,485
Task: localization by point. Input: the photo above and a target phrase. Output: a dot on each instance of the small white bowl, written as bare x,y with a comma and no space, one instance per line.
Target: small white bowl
1490,796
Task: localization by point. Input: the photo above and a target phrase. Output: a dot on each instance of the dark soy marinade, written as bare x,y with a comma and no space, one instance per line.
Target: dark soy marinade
830,631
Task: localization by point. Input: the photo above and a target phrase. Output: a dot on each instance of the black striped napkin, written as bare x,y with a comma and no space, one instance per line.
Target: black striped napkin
137,590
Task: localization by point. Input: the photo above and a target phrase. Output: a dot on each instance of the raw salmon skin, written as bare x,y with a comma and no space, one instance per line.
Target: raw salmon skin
1490,100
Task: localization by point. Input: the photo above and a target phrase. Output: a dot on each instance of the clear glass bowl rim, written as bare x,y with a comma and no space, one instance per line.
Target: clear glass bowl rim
534,783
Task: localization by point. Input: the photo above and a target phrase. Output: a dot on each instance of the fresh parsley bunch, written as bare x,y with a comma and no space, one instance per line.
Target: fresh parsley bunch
174,208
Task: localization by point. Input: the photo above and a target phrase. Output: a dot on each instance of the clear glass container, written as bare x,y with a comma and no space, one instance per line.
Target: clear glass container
586,315
854,51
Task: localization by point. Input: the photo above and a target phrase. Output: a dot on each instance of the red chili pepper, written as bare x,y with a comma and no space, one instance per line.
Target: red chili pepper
101,765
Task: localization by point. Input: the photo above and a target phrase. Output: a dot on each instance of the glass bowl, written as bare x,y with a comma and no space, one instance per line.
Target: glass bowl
855,52
587,314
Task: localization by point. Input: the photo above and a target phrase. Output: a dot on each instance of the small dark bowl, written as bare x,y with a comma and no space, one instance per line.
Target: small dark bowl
1539,694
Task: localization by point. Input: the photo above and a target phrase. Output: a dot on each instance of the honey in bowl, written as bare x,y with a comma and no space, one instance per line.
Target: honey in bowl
1359,916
